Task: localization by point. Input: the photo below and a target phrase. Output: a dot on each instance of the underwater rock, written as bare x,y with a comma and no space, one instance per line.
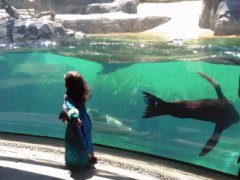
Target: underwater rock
223,17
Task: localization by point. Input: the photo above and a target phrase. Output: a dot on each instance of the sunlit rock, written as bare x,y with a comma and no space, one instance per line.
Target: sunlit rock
111,22
33,30
78,6
223,17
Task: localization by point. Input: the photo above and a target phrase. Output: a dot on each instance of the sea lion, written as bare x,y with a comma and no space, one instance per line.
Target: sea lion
11,10
106,123
101,122
239,87
219,111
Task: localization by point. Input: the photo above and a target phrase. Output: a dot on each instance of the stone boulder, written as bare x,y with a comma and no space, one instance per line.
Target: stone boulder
221,16
127,6
33,31
111,22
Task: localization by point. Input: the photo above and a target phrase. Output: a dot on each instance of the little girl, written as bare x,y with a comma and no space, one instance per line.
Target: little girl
78,143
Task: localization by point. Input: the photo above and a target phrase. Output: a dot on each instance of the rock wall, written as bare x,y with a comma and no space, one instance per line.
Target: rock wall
221,16
78,6
34,31
164,1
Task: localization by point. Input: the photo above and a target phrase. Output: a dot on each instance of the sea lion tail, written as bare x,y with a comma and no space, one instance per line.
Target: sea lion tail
155,105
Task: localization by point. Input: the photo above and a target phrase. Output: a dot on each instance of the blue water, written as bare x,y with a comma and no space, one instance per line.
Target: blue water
118,71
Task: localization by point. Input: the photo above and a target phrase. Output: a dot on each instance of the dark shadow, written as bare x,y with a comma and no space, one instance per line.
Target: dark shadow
219,111
82,173
238,161
87,173
233,8
14,174
28,161
108,68
77,173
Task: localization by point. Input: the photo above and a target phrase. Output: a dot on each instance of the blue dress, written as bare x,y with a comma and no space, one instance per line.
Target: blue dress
78,143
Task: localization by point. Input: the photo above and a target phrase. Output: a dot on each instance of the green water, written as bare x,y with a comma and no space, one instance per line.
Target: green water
31,94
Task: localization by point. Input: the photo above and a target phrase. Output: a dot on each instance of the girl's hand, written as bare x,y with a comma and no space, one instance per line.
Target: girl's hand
63,116
78,122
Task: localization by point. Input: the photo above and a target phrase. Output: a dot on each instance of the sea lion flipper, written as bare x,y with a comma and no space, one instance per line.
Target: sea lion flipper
239,87
212,141
154,107
150,99
214,83
238,161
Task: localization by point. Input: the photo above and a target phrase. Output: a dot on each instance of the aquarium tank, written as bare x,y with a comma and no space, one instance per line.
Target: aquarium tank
177,99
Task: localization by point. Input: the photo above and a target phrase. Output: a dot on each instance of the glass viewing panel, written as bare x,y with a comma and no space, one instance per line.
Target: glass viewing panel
174,99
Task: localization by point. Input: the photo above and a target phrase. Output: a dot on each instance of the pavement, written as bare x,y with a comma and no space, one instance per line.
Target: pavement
25,159
40,158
